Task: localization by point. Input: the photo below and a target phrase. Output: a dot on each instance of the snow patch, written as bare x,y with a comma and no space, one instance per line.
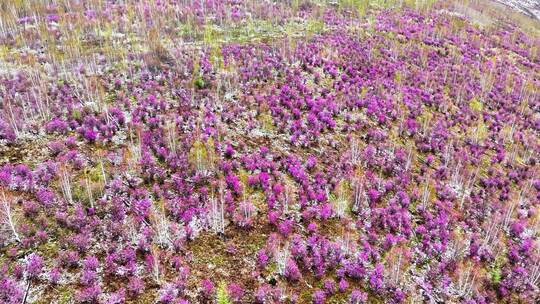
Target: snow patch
528,7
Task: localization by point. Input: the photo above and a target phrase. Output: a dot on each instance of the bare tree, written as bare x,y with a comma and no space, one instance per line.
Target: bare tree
216,213
7,218
281,256
65,184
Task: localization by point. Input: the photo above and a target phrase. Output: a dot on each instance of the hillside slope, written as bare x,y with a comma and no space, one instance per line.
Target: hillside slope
305,151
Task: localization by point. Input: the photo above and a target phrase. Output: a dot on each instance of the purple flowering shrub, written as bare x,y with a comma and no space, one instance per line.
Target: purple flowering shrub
268,152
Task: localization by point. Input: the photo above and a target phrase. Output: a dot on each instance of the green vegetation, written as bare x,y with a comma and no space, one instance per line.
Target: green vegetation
222,295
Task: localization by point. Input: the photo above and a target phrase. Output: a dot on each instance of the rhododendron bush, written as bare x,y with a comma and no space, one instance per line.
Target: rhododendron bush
227,151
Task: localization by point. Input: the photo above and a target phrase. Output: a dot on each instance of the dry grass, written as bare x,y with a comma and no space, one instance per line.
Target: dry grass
490,13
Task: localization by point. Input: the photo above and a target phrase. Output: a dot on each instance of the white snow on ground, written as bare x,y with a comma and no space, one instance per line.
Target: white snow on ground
528,7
